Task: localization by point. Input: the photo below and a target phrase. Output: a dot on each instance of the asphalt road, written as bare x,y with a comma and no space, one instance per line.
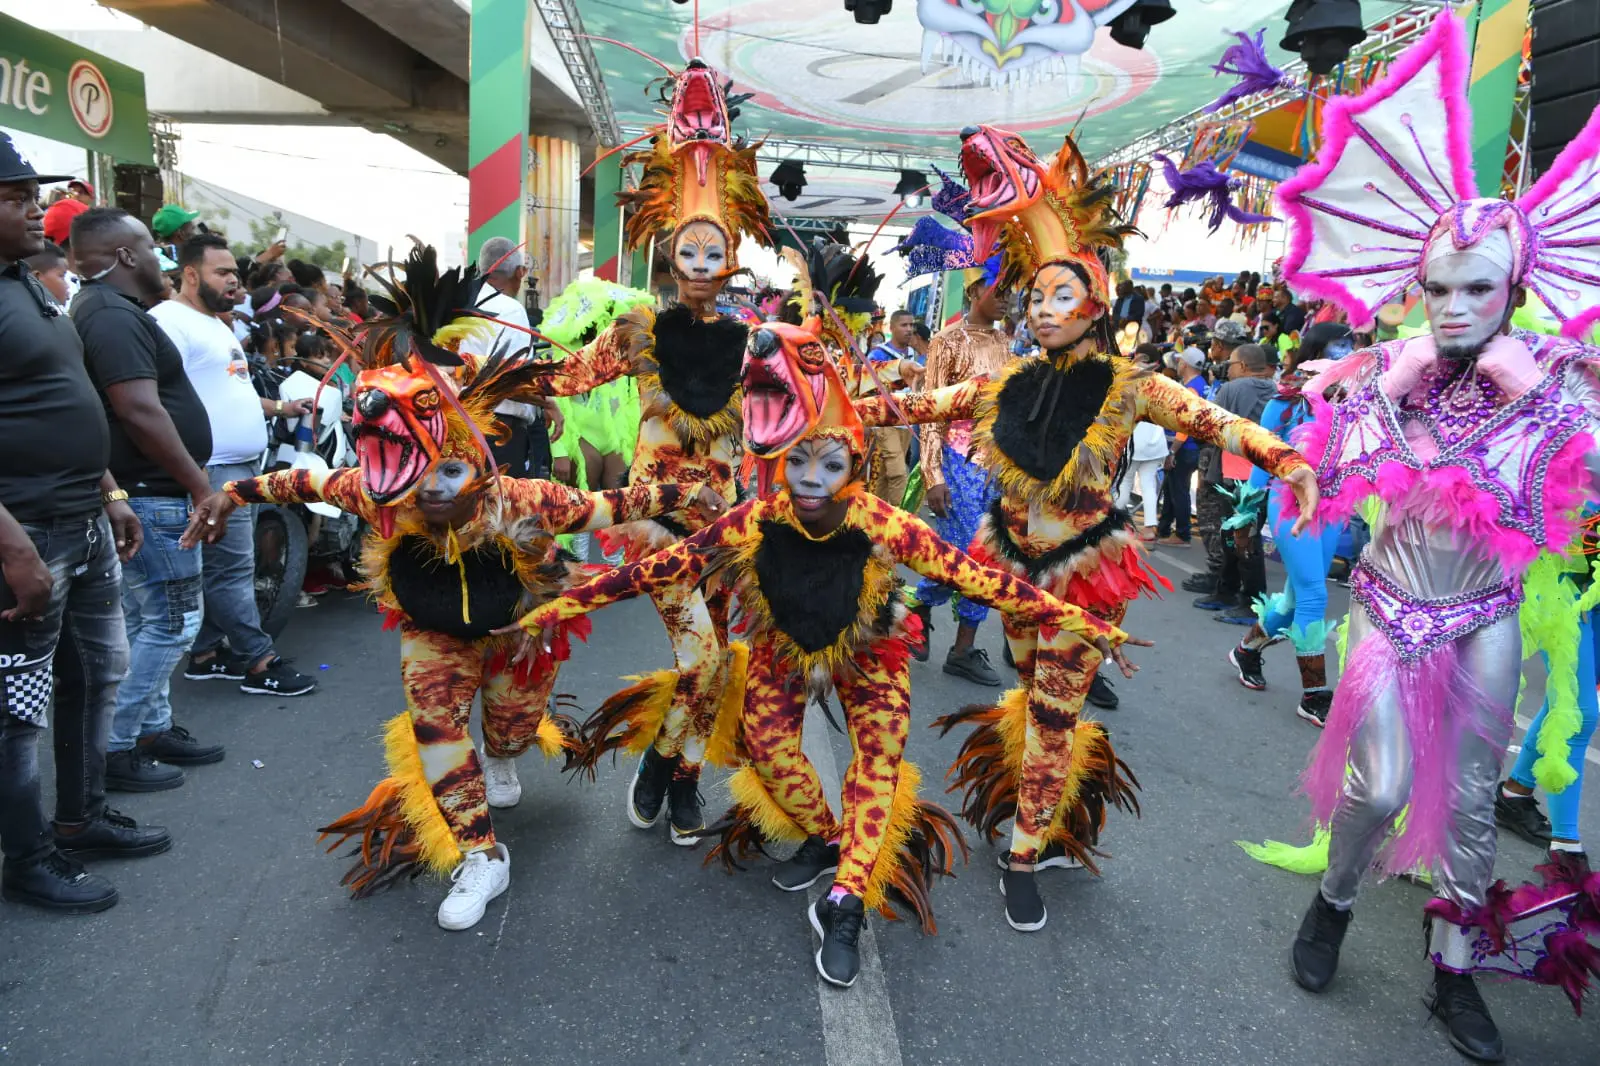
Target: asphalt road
238,945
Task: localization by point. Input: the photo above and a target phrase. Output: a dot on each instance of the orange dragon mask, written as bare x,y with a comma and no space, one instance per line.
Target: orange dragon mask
793,390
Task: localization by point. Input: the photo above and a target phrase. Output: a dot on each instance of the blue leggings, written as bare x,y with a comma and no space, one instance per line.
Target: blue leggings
1564,804
1306,558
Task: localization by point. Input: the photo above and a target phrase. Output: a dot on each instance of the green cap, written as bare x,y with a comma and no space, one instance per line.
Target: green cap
170,219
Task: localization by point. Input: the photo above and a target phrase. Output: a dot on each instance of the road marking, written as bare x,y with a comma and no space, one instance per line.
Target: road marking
857,1022
1172,560
1591,755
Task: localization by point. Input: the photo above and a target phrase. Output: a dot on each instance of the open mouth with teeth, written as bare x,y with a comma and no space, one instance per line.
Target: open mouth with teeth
1003,178
392,458
777,408
698,110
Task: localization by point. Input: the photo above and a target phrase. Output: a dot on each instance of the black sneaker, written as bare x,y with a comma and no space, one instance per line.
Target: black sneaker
1521,815
815,860
647,792
56,883
1454,999
1053,857
277,679
839,926
1024,909
919,651
973,665
1314,706
1247,661
220,667
1316,945
178,745
113,835
685,819
1206,582
1101,694
138,771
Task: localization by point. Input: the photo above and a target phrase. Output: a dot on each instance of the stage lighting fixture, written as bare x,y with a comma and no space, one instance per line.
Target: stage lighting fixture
790,178
1323,32
1130,28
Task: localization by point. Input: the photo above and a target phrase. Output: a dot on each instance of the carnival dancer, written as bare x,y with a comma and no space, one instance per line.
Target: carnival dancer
455,551
1479,442
1298,612
1052,430
813,564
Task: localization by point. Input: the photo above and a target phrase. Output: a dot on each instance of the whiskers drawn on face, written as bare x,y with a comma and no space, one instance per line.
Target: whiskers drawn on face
1060,309
700,253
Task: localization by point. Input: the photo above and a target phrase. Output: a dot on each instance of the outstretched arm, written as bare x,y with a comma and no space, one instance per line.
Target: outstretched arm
604,360
561,509
919,408
341,488
1172,406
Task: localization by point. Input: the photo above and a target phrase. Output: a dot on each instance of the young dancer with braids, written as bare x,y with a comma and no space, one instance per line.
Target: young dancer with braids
814,565
454,553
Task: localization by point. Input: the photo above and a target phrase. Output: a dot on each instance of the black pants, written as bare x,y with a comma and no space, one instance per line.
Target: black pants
1176,494
68,660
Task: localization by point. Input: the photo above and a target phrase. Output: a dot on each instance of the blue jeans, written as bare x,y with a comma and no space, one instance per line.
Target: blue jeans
229,580
68,660
1564,804
972,492
161,602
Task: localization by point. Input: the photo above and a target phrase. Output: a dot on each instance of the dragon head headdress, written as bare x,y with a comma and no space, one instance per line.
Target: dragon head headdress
696,172
793,390
1038,213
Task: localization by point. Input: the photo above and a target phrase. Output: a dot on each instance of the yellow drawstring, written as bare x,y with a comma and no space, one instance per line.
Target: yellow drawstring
452,554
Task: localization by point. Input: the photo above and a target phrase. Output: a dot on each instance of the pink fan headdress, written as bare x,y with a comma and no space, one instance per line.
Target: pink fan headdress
1394,177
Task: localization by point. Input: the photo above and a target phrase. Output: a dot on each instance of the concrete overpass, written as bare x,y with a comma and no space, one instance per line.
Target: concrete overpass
398,67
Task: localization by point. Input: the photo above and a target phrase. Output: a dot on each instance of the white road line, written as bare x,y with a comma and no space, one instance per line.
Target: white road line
857,1023
1523,723
1168,559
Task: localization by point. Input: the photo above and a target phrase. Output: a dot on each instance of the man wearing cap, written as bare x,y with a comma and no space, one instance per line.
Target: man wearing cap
63,525
1177,502
173,224
160,444
1211,506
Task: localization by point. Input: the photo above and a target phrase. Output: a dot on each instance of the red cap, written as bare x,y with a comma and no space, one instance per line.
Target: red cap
58,218
79,183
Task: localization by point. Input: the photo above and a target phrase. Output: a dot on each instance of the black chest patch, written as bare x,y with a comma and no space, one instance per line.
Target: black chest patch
428,589
1042,413
698,362
812,588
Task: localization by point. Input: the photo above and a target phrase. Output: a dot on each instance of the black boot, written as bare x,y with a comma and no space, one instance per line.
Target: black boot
1102,695
1521,815
648,789
919,651
685,819
815,860
1316,946
113,835
138,771
839,926
1024,909
1206,582
1454,1000
57,883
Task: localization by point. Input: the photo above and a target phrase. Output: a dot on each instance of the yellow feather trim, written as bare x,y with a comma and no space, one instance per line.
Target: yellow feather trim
644,722
902,816
1094,459
1012,726
723,748
440,852
551,740
462,329
751,796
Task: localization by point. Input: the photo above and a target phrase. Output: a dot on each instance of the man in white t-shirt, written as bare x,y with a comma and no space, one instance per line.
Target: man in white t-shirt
217,369
526,453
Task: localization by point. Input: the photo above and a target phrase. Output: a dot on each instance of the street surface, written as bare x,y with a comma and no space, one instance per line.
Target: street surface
613,947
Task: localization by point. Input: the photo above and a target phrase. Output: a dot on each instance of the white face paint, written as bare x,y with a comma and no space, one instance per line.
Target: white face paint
816,470
1467,297
699,256
1060,310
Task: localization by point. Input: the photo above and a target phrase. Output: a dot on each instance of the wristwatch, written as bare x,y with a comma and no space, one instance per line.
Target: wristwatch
113,496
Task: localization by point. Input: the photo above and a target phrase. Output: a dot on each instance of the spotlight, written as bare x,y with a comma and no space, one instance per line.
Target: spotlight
868,12
1130,28
1323,32
912,184
790,178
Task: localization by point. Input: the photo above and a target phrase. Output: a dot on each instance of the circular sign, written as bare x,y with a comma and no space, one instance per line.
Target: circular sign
90,98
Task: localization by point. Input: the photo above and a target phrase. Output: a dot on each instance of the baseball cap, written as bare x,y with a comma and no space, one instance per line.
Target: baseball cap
58,218
1193,356
1230,333
79,183
170,219
14,167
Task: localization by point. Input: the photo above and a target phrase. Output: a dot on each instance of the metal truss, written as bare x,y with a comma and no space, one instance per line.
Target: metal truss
832,156
566,30
1394,31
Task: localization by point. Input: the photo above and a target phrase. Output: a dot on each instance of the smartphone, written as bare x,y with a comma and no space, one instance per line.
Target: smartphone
282,236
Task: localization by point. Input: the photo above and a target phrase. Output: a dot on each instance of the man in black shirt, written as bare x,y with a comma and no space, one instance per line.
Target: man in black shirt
160,443
63,524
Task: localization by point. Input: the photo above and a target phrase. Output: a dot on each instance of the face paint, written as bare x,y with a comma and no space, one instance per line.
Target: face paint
816,470
445,485
1467,297
699,259
1060,310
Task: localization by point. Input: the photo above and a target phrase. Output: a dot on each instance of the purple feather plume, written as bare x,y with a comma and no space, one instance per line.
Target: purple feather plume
931,247
1247,61
951,199
1204,181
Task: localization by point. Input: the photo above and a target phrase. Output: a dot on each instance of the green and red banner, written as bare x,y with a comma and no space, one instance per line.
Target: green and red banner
497,120
53,88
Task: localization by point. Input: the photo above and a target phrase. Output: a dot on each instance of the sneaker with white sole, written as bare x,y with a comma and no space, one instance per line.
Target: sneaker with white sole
500,782
481,877
1053,857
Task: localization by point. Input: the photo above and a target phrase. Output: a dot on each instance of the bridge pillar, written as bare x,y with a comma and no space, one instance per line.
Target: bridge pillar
499,88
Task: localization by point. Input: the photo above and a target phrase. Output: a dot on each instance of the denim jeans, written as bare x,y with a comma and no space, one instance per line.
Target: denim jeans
1176,501
161,602
71,658
229,573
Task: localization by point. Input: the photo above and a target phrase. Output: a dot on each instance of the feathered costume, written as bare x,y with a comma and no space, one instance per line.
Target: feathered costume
1480,460
422,416
1053,430
825,613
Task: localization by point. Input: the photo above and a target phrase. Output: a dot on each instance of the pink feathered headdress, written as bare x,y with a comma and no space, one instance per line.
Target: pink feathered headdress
1394,176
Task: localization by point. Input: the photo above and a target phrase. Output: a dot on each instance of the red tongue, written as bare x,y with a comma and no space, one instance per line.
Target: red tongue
386,522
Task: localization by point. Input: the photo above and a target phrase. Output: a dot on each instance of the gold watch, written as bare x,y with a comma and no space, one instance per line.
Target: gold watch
113,496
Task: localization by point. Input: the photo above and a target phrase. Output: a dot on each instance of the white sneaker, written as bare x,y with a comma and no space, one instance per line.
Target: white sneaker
500,782
481,877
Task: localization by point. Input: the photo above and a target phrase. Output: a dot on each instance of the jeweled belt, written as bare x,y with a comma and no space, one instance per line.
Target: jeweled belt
1416,625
